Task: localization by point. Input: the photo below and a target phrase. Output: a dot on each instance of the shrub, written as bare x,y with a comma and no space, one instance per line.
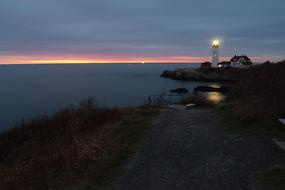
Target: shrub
43,153
259,93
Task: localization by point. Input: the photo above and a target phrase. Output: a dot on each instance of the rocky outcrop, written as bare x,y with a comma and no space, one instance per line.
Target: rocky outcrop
180,91
205,75
223,89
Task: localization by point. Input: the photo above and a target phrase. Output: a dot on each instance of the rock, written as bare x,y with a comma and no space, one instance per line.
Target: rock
222,89
190,106
168,74
282,121
206,89
180,91
205,75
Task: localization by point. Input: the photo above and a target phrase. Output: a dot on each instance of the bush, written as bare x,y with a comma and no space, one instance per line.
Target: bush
259,93
44,152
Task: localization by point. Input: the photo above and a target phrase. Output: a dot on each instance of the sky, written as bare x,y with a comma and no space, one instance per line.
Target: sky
106,31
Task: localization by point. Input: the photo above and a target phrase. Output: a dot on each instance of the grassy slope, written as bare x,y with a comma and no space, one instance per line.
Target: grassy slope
77,148
271,179
235,125
253,109
257,101
259,93
101,168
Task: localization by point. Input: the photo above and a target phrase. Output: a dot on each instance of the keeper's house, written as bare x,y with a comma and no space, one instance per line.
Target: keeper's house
237,61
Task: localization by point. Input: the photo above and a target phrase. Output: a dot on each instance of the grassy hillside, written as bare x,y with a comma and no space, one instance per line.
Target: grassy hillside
253,108
257,101
260,91
79,147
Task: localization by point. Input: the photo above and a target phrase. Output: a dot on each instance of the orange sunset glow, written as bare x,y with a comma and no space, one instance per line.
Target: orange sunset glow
77,59
89,59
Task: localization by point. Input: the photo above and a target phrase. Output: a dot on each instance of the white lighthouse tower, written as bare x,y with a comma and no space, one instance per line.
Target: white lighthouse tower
216,47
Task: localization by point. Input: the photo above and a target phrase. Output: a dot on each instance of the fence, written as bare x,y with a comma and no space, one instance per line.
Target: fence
164,99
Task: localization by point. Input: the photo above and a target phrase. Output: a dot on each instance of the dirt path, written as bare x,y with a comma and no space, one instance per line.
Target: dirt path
188,150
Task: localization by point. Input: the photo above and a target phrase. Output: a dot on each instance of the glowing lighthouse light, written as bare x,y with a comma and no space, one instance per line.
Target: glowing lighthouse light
216,42
216,47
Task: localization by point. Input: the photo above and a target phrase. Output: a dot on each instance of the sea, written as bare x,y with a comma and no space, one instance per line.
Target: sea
27,91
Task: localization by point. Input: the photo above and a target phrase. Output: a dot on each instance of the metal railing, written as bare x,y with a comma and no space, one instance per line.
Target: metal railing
164,99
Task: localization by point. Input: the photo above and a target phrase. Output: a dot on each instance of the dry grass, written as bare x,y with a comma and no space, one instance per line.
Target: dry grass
256,102
52,152
271,179
254,106
259,93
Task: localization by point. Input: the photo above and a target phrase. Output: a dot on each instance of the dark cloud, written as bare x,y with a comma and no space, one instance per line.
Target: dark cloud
149,27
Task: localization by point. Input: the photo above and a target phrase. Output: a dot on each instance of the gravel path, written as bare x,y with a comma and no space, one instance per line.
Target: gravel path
188,150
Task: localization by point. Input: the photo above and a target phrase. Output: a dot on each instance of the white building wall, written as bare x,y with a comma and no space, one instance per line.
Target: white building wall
215,58
237,64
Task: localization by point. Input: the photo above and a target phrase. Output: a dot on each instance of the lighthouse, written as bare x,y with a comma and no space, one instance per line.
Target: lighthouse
216,47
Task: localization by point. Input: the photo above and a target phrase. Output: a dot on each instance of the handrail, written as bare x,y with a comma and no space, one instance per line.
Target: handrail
164,99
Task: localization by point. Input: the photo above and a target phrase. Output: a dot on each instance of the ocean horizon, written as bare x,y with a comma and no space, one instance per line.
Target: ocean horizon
31,90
